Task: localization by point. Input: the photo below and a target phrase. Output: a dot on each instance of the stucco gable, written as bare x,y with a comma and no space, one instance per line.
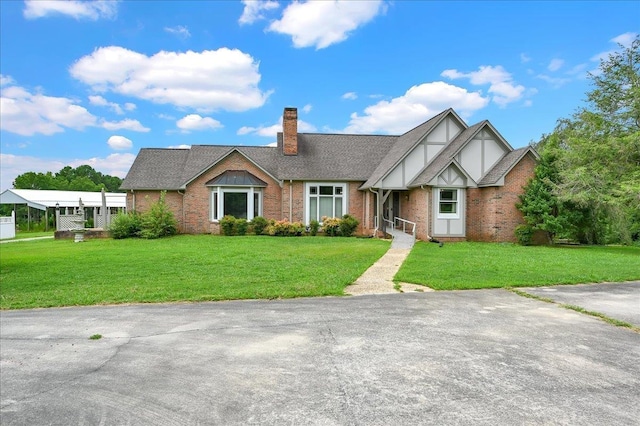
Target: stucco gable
405,144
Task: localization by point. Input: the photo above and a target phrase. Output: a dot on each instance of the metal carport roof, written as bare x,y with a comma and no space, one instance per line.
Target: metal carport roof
42,199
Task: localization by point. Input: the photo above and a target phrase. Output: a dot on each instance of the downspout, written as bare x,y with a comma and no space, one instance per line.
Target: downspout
133,201
290,200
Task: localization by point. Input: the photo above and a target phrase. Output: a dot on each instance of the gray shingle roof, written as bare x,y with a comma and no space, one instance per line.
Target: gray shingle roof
339,157
445,157
156,168
402,147
503,166
335,156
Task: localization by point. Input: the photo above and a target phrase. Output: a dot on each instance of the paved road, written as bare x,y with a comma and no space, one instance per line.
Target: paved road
465,357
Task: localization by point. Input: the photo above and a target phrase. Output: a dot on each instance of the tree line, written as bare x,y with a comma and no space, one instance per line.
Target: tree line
82,178
587,184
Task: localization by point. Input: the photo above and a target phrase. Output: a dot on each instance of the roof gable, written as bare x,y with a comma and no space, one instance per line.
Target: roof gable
445,157
405,144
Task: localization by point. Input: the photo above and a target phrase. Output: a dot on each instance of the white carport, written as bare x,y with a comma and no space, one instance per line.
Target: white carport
62,200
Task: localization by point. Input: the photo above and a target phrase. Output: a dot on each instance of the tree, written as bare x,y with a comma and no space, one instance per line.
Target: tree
82,178
594,161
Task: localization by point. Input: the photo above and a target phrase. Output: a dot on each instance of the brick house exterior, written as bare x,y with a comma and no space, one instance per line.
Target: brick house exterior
454,181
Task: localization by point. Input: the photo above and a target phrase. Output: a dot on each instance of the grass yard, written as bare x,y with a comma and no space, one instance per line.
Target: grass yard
483,265
48,273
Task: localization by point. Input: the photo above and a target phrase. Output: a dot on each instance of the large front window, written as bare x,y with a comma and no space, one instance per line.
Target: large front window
448,203
325,199
241,203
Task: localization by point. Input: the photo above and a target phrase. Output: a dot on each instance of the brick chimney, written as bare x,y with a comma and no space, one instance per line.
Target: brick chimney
290,131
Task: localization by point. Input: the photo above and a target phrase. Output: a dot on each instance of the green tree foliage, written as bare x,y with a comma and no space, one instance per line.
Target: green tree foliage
588,183
82,178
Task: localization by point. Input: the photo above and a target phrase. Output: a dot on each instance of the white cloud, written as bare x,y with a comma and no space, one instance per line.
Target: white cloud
129,106
92,10
307,108
624,39
556,82
350,96
126,124
414,107
182,146
500,82
524,58
323,23
208,80
119,143
100,101
28,113
6,80
196,122
179,31
253,10
15,165
555,64
272,131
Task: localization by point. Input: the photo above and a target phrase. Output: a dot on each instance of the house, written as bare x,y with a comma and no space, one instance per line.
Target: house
454,181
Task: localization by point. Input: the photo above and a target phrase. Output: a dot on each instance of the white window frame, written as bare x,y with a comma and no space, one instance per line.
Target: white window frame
307,198
455,201
221,190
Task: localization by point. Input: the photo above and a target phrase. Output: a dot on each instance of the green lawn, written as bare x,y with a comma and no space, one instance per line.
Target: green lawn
483,265
48,273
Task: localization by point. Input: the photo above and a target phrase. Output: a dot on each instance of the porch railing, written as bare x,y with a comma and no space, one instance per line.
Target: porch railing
398,223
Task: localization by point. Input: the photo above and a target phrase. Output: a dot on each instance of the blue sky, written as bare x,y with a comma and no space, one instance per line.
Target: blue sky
94,82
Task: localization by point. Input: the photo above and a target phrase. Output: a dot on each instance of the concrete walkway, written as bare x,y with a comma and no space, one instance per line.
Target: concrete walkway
25,239
378,279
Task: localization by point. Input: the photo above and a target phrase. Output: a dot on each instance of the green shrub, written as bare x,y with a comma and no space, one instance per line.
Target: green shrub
241,226
159,221
314,226
524,234
259,225
125,225
331,226
348,225
228,225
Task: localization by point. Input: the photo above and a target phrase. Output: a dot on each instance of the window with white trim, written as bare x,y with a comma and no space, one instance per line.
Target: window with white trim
241,203
448,203
325,199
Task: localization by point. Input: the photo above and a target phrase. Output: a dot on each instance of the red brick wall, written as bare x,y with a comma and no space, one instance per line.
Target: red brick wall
418,209
492,215
293,191
144,200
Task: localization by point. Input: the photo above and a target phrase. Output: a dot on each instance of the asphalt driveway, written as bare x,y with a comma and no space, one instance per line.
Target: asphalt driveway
466,357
